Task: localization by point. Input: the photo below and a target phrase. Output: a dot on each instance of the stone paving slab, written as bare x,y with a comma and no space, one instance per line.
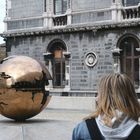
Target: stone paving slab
50,124
11,133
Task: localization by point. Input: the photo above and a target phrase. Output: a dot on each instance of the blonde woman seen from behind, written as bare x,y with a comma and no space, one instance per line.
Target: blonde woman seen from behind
116,115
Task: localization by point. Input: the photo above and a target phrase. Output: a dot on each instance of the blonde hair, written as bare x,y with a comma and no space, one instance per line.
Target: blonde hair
116,92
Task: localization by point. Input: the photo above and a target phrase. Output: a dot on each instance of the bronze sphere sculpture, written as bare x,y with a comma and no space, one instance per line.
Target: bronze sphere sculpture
22,87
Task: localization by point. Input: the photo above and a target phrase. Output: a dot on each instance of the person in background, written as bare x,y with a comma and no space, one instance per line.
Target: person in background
116,115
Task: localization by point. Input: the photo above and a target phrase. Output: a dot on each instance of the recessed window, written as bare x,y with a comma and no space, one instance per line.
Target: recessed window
60,7
58,63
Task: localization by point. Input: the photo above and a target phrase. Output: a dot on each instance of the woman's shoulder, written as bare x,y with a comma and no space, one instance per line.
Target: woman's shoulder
81,132
81,125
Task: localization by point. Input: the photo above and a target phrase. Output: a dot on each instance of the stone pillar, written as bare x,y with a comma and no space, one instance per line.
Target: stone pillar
48,22
69,17
68,12
116,11
5,26
47,58
116,57
67,71
119,14
8,7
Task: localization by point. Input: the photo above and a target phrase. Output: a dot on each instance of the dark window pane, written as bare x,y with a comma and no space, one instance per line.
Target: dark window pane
57,67
128,50
58,72
57,6
60,6
64,6
129,68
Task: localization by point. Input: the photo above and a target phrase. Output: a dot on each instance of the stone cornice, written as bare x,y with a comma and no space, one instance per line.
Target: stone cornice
70,28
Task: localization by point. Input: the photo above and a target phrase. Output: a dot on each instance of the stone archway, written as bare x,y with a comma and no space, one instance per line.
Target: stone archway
58,60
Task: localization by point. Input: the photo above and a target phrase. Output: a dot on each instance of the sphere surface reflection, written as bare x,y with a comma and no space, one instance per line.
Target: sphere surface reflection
22,87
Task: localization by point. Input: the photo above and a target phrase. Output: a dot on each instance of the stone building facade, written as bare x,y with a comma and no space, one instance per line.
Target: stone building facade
78,40
2,51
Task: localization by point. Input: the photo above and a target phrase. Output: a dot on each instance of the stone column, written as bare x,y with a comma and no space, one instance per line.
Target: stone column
47,58
68,12
116,57
67,71
116,11
48,22
69,17
8,7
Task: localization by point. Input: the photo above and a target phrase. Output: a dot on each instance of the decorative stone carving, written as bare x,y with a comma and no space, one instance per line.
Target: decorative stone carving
116,51
90,59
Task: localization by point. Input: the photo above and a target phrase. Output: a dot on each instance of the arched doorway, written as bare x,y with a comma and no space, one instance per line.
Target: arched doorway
129,58
58,66
57,49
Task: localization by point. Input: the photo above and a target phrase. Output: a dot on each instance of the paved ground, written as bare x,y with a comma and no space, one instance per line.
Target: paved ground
56,122
50,124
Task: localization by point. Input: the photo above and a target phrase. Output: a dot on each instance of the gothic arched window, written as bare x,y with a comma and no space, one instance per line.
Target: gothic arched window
129,58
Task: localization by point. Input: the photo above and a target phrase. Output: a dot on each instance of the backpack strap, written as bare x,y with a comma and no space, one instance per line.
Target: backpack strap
93,129
135,134
95,133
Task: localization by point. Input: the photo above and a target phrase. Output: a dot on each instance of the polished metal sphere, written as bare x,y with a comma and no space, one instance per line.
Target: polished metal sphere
22,87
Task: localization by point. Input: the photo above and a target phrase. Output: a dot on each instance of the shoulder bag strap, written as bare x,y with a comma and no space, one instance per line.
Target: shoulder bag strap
93,129
135,134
